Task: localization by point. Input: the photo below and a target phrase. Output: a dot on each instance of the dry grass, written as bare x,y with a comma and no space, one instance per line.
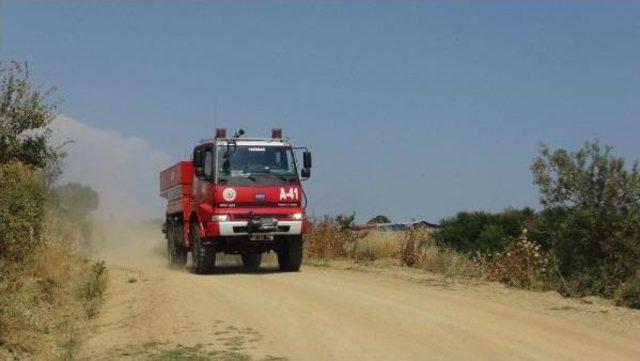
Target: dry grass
326,241
416,249
522,264
373,246
45,300
451,264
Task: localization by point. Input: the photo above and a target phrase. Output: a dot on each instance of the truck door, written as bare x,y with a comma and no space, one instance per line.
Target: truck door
204,173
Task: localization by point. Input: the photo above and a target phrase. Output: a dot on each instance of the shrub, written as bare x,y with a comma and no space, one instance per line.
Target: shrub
628,293
91,290
522,264
482,231
326,238
21,210
40,294
74,203
412,241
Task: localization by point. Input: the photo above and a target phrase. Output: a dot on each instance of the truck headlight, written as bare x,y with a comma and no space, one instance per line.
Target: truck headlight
220,217
297,216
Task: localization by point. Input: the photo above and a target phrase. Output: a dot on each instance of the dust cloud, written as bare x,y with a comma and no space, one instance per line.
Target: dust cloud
129,242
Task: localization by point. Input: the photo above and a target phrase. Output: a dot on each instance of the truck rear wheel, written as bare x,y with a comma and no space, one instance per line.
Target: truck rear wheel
204,253
290,255
251,260
176,255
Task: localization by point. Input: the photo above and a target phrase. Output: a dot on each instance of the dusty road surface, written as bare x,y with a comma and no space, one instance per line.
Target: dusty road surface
322,313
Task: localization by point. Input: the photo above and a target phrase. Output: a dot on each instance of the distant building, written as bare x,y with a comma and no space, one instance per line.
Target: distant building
398,226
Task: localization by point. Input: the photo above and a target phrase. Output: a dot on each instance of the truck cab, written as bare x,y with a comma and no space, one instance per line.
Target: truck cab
245,197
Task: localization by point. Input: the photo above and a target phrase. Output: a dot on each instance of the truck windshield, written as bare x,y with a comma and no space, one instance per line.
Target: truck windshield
244,161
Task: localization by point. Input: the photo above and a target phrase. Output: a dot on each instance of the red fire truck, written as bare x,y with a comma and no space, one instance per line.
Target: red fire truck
237,195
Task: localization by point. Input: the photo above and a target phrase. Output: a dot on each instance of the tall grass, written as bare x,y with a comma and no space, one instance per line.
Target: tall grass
44,301
451,264
92,287
415,248
522,265
47,287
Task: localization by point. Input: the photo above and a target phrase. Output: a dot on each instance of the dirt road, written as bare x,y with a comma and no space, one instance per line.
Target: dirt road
332,314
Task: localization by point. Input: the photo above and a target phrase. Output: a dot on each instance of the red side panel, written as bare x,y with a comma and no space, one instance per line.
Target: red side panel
178,174
175,186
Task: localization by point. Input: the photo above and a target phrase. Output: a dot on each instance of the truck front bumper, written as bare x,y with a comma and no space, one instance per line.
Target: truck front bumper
246,228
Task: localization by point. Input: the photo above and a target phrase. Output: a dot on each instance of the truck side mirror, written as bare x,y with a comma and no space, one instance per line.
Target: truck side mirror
306,159
305,173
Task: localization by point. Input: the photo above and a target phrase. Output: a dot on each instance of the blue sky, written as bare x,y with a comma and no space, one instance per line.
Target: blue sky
412,109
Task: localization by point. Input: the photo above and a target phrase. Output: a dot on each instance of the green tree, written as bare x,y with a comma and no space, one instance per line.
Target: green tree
75,198
25,114
591,216
379,219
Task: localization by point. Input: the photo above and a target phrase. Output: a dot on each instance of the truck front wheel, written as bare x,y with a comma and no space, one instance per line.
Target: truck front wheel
203,253
290,255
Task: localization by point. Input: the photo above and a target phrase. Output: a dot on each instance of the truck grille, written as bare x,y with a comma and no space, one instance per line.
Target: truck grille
244,229
258,216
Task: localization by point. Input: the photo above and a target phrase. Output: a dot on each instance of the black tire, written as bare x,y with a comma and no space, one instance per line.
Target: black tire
251,260
204,253
176,254
290,255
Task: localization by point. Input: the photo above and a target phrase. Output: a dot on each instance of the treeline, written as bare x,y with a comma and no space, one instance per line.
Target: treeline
589,224
47,285
584,241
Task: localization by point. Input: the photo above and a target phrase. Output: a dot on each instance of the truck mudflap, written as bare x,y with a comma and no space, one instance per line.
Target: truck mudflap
259,226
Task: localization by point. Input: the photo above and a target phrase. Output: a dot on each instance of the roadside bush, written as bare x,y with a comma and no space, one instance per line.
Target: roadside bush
92,288
40,270
482,231
43,290
523,264
22,199
327,238
74,204
628,293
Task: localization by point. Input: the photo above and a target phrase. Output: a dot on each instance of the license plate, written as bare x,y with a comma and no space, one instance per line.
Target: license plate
261,237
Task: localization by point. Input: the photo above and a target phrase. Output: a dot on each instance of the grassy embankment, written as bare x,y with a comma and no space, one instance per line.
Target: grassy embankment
49,289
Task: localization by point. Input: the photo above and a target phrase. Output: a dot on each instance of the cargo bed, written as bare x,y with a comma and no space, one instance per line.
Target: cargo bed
175,185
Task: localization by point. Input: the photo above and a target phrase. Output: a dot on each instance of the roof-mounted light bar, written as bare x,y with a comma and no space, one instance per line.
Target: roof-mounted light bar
221,133
276,133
